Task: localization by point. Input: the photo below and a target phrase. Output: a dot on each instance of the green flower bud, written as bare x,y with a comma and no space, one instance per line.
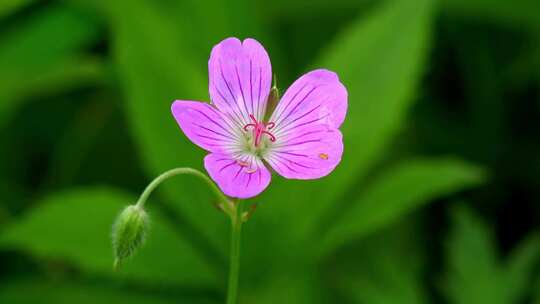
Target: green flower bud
273,99
129,231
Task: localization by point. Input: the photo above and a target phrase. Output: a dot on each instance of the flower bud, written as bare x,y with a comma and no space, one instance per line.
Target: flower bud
129,231
273,99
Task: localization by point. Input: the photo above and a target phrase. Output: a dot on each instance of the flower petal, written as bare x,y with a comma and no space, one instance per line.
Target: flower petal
317,97
306,153
206,127
241,178
240,77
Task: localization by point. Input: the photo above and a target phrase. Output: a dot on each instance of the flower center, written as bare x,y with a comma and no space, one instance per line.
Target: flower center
259,129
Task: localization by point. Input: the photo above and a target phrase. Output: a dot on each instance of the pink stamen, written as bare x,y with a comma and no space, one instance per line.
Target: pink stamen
253,119
260,128
272,137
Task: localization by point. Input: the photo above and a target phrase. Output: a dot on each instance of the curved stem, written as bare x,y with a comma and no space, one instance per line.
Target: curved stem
233,209
236,230
178,171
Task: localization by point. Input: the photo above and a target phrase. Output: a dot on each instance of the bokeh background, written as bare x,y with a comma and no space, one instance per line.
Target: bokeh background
436,200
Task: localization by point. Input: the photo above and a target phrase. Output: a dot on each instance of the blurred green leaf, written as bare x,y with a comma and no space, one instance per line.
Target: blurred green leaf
65,75
473,270
8,7
380,69
395,192
216,20
34,291
3,215
76,226
520,15
475,273
374,271
74,147
536,295
280,9
38,55
291,286
520,266
28,44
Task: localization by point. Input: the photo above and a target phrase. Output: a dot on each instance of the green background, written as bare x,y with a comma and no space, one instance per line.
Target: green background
436,199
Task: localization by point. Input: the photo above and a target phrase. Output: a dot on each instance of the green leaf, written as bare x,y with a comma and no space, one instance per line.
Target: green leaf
32,62
373,270
215,20
283,9
397,287
475,272
522,15
290,286
3,215
395,192
76,226
63,75
520,267
34,291
8,7
380,67
536,296
28,44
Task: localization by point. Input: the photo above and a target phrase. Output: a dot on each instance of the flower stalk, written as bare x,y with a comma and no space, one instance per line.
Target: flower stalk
131,225
236,229
231,208
223,202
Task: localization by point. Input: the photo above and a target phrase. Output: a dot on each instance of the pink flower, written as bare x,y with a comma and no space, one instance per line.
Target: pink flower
300,140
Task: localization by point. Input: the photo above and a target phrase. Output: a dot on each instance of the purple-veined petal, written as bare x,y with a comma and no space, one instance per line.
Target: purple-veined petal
240,77
206,127
306,153
308,144
243,177
316,98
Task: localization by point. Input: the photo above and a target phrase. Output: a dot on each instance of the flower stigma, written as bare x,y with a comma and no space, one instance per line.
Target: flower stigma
259,129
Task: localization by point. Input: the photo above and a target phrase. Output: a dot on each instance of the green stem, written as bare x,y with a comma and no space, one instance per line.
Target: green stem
236,230
233,209
178,171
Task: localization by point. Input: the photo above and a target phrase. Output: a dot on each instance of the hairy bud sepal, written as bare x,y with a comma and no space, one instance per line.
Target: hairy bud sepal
129,233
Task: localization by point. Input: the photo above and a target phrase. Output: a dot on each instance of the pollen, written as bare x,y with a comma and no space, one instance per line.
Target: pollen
323,156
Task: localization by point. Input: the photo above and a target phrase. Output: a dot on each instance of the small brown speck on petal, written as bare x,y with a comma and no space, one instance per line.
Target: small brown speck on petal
323,156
